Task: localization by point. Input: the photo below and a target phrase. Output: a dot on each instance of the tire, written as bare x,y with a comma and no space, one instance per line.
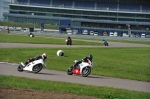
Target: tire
37,68
69,71
20,68
107,44
86,71
69,43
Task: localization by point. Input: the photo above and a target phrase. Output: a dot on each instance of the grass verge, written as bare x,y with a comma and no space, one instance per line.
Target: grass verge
100,92
78,39
129,63
9,38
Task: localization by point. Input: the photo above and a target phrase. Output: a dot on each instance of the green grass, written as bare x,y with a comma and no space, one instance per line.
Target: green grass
4,37
108,39
130,63
100,92
129,41
41,40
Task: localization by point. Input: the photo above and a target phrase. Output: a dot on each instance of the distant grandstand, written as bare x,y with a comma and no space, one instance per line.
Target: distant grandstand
130,17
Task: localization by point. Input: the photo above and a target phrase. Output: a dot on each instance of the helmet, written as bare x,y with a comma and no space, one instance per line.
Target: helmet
90,57
44,56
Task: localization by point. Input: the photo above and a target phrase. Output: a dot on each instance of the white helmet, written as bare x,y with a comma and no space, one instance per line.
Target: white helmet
44,56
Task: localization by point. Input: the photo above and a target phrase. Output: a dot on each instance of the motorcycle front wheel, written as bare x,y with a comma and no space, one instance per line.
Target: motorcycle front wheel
37,68
20,68
69,71
86,71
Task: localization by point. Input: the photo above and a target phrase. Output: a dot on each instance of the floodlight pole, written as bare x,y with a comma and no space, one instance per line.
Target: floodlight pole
129,31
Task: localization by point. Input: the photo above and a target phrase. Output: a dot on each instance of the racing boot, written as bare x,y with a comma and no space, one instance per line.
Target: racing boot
70,68
23,64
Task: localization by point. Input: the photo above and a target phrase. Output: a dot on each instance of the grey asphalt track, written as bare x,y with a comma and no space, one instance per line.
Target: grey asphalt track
52,75
111,44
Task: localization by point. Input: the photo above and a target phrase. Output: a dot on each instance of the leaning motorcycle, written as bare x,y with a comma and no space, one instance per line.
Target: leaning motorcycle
31,35
105,43
83,69
34,66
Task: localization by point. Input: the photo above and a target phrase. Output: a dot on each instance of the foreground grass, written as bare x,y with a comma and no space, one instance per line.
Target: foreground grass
9,38
101,92
130,63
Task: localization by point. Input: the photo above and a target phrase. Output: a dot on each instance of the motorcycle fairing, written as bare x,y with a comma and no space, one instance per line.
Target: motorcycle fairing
76,71
30,66
85,64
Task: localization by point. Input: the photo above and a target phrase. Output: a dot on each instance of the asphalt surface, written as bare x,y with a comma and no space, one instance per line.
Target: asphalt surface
111,44
52,75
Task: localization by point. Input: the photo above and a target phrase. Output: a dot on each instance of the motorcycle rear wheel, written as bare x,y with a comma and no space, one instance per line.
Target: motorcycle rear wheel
37,68
20,68
107,44
86,71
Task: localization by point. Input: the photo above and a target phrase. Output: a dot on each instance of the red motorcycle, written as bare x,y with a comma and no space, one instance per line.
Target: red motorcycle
68,41
84,69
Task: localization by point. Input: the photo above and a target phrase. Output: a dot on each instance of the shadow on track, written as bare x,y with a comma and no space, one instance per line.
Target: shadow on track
40,73
98,77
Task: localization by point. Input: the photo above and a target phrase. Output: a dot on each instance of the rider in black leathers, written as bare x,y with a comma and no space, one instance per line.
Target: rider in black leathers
69,41
90,57
30,34
43,56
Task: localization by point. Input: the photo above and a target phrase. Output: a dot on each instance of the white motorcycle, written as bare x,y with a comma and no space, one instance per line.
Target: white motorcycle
31,35
83,69
34,66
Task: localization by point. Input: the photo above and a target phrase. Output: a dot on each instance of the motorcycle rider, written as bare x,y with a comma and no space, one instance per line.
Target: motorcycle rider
85,59
30,34
104,42
69,41
43,56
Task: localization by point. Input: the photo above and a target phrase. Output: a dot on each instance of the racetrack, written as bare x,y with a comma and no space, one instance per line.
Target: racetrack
11,69
111,44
